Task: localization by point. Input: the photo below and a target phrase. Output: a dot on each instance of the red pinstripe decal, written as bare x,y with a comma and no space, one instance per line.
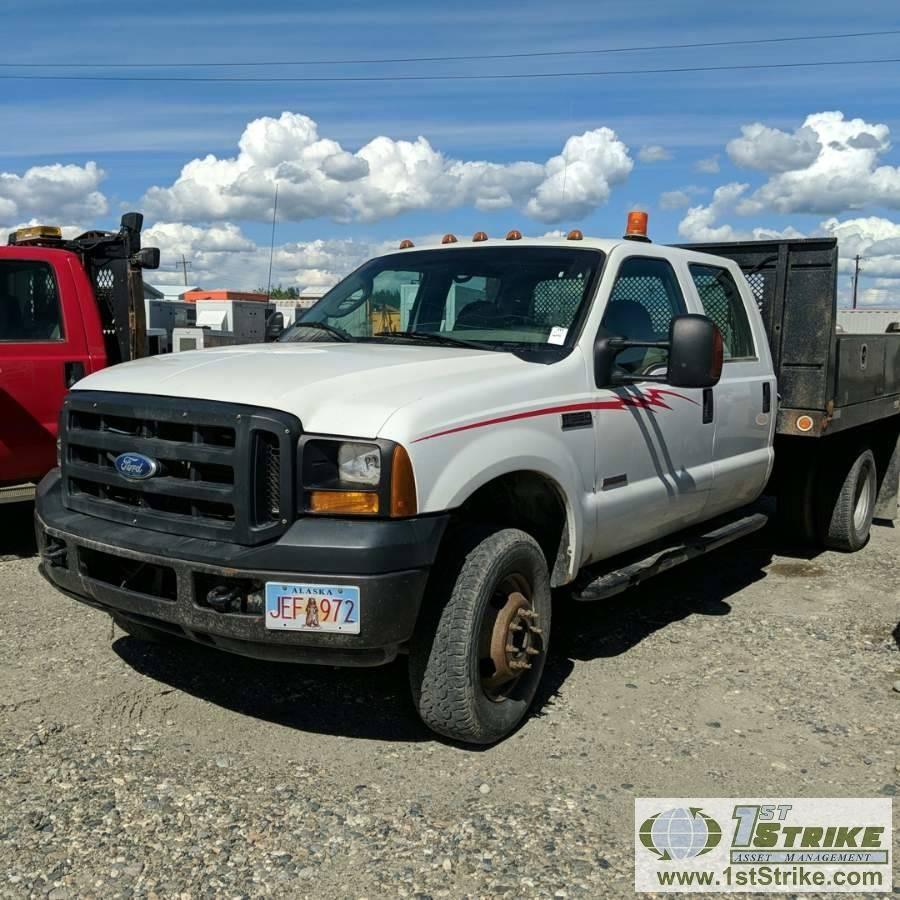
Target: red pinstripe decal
650,399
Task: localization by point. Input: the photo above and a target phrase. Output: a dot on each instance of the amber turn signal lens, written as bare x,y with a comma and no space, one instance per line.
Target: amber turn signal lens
574,235
804,423
403,485
355,503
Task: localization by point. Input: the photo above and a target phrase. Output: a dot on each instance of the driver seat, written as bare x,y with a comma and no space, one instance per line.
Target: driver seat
478,314
629,319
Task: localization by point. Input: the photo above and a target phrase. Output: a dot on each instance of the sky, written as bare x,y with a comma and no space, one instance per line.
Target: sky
711,155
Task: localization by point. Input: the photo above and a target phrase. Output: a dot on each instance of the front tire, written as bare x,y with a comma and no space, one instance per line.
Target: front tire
476,665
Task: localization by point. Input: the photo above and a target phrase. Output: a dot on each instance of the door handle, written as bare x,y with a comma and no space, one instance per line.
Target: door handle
707,405
74,371
767,397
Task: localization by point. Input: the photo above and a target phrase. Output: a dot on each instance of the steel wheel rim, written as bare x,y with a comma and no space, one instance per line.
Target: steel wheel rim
865,494
510,638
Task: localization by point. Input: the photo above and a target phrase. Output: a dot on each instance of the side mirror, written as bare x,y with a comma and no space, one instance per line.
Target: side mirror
695,352
695,355
274,326
148,258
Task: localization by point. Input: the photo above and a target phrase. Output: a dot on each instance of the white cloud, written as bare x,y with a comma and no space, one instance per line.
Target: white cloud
674,200
651,153
829,165
700,223
52,193
177,237
317,177
579,180
680,198
773,150
709,166
875,239
222,256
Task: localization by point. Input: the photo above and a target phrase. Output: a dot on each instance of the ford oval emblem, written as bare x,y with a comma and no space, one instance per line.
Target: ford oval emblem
136,466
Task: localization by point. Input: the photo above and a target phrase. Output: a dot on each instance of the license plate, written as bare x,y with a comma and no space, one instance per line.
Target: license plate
312,607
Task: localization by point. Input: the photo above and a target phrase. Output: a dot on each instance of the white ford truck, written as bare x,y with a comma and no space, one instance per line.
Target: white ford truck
452,432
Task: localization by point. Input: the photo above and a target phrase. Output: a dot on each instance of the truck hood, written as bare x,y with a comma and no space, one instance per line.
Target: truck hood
333,388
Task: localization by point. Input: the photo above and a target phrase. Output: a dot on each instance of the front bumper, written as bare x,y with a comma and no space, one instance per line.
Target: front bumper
161,581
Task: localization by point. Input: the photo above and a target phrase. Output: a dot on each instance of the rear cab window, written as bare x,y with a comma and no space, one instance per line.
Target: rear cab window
29,302
722,302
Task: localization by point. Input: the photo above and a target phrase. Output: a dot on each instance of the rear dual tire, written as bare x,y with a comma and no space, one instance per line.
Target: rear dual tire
827,497
850,521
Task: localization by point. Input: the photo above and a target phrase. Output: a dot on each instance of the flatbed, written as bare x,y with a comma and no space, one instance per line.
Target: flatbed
839,381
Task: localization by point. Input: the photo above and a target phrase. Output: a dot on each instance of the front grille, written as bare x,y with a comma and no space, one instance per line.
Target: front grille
268,481
220,474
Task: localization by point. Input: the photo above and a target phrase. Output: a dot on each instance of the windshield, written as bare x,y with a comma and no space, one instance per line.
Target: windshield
487,296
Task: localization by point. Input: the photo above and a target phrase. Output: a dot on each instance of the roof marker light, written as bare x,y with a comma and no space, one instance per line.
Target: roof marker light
479,236
406,244
448,239
514,235
574,235
636,229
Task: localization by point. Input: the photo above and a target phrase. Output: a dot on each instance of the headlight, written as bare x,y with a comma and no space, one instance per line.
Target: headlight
359,464
356,478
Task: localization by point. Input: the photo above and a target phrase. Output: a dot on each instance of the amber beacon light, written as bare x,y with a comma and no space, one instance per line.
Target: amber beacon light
636,227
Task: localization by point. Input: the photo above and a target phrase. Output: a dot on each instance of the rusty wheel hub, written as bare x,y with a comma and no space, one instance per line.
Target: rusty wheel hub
515,641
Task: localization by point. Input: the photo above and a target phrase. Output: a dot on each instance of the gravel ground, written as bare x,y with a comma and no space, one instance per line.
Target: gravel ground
132,770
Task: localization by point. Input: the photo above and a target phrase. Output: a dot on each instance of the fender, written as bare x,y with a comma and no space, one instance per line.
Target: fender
448,476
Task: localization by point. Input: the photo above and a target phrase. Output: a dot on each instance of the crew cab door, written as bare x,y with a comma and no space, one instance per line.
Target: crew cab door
654,454
42,347
743,402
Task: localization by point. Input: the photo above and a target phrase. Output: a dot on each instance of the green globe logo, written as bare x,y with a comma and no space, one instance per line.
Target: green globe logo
680,833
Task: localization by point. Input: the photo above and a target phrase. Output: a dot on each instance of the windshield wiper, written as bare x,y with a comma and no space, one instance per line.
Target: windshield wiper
433,337
339,333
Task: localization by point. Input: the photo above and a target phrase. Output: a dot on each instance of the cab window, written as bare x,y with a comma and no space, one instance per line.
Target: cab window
29,302
723,304
645,298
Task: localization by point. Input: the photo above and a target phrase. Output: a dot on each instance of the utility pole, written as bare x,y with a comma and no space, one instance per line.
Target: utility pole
855,277
185,265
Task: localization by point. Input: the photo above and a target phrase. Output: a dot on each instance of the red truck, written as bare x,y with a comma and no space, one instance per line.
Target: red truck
67,309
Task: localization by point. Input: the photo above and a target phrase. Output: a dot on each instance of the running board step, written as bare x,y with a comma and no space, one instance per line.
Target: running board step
632,569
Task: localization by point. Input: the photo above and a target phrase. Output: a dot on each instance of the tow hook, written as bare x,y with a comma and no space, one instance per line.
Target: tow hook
224,598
